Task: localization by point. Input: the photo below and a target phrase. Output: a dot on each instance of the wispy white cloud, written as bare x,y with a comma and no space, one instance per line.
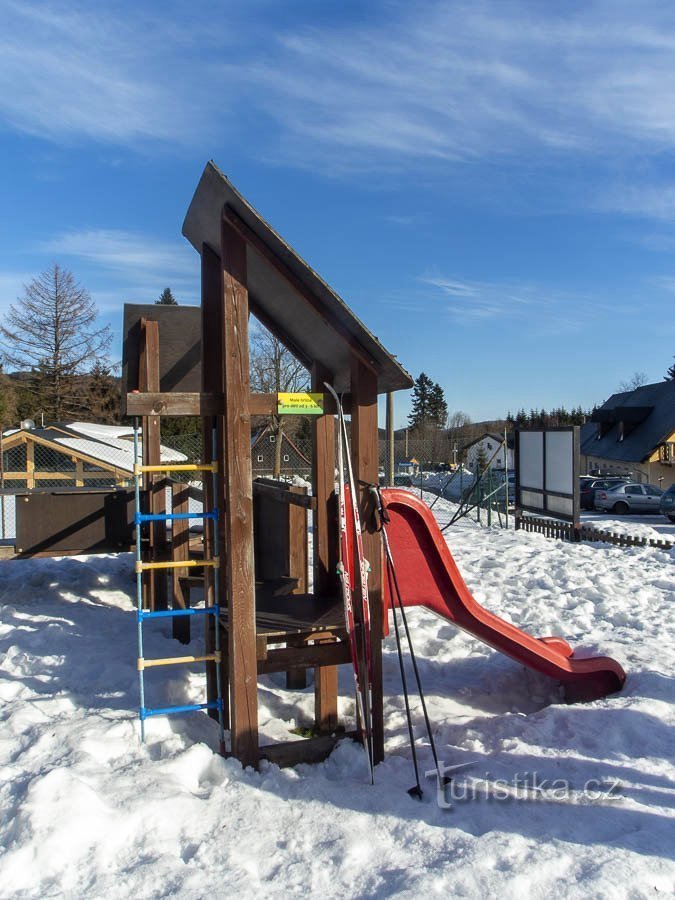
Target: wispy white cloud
649,201
465,80
125,265
76,70
535,309
413,86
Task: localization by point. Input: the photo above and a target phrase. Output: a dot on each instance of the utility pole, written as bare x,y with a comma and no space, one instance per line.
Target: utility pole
390,439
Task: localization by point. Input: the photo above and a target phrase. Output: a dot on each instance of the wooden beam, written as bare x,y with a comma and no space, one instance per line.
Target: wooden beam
238,513
325,535
30,464
299,286
174,404
214,537
365,452
156,580
180,549
309,750
283,495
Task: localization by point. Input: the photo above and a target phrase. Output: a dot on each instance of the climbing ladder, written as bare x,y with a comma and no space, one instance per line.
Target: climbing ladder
144,615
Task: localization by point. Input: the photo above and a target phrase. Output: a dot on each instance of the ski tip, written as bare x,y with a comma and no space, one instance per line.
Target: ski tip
416,791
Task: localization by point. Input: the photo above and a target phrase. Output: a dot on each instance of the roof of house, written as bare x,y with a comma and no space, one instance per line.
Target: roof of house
315,320
498,438
109,444
648,414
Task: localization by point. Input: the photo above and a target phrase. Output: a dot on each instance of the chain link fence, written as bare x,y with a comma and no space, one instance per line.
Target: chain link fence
433,466
428,464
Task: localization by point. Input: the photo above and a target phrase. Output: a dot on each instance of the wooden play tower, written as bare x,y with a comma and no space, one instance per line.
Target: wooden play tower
246,268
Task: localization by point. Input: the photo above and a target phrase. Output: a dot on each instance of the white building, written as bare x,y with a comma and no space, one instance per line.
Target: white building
489,448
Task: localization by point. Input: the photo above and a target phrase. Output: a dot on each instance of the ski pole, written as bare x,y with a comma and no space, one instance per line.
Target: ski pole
413,658
416,790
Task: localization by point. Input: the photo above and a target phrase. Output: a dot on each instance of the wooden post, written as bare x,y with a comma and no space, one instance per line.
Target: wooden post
390,440
148,378
30,464
238,514
180,550
298,551
364,441
326,536
326,540
212,382
79,472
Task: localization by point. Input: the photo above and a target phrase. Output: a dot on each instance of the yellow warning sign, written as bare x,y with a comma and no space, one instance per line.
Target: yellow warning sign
299,404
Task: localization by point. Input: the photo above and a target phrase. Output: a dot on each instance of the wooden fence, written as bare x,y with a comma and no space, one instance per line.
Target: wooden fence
566,531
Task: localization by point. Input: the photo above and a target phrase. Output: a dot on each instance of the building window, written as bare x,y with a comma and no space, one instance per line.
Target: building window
260,457
286,457
273,438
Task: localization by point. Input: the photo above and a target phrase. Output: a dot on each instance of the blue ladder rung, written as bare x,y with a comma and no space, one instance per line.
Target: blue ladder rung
139,518
174,613
145,712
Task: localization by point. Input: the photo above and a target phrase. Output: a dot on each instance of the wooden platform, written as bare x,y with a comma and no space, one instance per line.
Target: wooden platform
277,617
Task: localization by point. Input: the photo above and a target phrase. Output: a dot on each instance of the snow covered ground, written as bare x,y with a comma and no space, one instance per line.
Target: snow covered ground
572,801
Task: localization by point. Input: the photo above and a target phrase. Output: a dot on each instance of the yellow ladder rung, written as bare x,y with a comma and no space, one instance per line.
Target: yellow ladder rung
176,467
177,660
176,564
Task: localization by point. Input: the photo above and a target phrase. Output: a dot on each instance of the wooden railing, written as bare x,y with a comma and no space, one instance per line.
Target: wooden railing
566,531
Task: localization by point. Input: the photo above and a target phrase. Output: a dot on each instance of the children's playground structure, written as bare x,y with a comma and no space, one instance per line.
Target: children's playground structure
268,608
180,361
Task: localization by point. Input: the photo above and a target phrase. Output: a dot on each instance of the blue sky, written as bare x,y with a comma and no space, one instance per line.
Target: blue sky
489,185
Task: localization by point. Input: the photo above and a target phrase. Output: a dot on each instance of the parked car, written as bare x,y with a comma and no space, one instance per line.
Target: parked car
589,486
626,498
667,504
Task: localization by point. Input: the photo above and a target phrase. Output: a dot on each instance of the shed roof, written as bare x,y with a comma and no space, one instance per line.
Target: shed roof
649,410
103,443
285,292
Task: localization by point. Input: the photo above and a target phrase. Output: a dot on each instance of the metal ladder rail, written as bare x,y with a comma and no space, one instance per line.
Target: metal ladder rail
143,615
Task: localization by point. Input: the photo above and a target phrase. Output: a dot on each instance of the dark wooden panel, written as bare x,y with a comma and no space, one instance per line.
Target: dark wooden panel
53,522
179,342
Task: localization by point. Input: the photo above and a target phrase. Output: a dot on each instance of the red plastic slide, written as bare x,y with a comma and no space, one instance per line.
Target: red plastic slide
428,576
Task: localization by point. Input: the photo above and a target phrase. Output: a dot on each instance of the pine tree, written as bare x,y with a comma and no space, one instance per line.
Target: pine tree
420,414
438,408
670,374
166,298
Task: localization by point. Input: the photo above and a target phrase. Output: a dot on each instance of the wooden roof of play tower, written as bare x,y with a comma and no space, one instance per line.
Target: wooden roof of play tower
285,293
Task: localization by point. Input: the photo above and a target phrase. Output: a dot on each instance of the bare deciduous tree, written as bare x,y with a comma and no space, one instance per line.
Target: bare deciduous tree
637,379
274,369
52,333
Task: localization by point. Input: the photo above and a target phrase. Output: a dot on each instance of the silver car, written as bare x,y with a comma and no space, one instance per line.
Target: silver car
634,498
